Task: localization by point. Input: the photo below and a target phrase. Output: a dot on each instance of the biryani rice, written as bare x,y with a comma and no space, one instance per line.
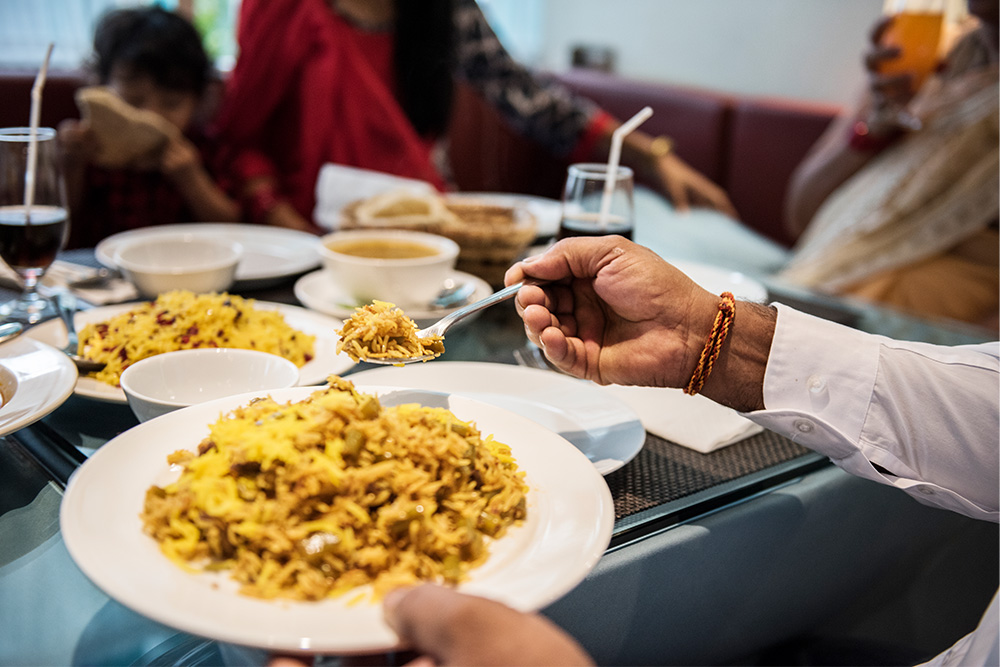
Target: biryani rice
380,330
311,499
182,320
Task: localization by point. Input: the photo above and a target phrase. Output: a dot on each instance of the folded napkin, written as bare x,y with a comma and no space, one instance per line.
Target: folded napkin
338,186
61,273
690,421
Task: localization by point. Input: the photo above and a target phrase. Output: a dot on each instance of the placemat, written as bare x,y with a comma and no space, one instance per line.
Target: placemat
663,471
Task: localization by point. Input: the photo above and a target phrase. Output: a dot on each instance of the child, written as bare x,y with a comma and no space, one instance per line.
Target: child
154,60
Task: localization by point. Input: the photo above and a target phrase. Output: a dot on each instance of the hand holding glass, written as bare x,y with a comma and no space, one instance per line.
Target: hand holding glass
915,29
31,232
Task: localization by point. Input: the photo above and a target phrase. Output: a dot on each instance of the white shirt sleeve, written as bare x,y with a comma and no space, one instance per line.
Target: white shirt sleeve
927,415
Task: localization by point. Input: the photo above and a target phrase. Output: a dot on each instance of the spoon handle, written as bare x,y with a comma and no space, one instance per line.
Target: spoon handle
66,306
446,322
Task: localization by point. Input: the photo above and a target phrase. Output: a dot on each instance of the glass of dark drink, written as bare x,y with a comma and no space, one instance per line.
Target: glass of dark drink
33,219
583,202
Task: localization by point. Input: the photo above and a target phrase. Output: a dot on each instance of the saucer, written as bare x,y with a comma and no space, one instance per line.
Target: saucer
319,292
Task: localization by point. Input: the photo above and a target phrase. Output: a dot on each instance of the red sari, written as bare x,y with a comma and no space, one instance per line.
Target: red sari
309,88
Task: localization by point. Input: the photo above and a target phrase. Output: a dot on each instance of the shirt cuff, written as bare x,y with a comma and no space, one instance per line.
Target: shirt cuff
810,394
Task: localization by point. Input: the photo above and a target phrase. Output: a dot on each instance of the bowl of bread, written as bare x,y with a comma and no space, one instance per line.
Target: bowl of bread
490,237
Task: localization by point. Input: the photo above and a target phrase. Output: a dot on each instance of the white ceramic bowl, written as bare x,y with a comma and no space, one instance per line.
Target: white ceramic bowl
158,264
406,282
172,380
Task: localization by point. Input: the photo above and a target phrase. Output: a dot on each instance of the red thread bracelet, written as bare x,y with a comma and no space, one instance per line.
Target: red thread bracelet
720,330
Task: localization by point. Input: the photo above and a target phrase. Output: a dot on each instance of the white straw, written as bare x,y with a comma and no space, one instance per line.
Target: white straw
36,110
616,153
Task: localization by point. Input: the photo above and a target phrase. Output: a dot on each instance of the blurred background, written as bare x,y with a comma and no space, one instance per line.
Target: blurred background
805,49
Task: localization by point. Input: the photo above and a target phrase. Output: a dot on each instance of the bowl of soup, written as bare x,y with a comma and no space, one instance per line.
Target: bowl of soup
403,267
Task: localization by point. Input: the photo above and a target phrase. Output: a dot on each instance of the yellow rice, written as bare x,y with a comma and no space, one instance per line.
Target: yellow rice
182,320
380,330
308,500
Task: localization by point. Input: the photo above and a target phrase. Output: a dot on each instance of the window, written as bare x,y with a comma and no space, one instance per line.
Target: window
28,26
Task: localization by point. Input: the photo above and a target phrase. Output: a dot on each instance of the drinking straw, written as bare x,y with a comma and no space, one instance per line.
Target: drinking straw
36,110
616,152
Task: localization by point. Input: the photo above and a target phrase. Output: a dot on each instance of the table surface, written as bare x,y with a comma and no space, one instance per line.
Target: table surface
51,614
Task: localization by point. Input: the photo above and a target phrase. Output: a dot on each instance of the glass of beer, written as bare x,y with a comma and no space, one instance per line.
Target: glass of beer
583,198
33,219
916,29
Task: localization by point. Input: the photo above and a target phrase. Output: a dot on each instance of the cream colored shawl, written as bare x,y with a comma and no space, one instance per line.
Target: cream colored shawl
920,197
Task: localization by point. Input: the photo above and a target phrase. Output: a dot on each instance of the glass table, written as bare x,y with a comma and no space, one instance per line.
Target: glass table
731,551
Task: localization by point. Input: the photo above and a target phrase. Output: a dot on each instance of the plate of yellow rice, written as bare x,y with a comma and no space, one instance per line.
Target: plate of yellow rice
122,334
278,521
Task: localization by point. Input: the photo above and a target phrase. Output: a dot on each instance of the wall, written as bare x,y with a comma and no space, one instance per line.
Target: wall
808,49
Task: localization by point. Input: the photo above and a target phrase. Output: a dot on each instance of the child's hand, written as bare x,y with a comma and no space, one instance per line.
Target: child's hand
180,159
77,140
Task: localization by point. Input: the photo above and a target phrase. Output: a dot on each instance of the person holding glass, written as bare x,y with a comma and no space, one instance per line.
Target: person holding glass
369,84
897,202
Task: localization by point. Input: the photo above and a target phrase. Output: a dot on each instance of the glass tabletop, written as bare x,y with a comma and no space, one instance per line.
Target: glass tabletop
60,618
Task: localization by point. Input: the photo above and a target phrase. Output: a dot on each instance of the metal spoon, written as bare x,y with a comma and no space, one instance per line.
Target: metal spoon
441,326
10,330
454,293
66,305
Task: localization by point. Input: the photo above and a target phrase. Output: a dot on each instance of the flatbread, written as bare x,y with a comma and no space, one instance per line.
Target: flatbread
126,135
402,209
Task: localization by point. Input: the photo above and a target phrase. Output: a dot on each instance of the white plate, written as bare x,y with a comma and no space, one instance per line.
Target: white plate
568,527
718,280
36,379
547,212
319,291
325,361
269,253
601,426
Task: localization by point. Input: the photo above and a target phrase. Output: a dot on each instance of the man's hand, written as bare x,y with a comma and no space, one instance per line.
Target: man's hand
614,312
445,627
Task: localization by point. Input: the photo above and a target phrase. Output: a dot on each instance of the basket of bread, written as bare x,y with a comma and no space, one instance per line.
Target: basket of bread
491,237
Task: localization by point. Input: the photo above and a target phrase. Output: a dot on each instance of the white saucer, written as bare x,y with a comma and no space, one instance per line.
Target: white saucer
318,291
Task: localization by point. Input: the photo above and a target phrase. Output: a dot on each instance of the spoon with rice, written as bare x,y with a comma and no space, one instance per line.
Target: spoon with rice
380,333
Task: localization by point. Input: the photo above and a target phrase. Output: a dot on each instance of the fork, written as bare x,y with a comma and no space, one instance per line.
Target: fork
66,306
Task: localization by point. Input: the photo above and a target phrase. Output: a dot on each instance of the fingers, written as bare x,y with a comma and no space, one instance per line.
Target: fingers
875,57
437,621
875,36
568,259
450,628
290,661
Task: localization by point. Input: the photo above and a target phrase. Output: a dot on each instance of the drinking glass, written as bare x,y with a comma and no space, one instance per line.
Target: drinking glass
916,28
582,200
30,238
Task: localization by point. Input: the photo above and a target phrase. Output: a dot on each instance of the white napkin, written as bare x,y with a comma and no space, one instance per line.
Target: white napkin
61,273
690,421
338,186
113,290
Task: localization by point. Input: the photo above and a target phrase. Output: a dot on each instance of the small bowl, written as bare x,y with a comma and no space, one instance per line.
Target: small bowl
158,264
166,382
405,281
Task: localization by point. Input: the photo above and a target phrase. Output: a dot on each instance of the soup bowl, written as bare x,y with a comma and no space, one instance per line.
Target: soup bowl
403,267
